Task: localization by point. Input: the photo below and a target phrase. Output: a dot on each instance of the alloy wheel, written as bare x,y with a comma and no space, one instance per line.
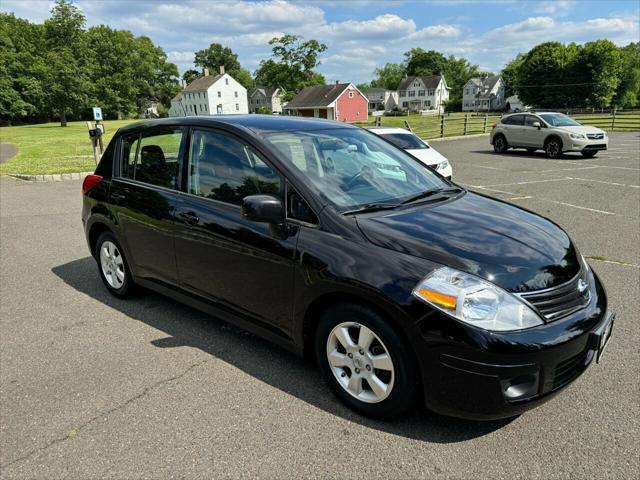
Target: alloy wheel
360,362
112,264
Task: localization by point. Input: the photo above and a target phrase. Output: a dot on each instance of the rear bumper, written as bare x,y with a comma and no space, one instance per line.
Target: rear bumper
488,376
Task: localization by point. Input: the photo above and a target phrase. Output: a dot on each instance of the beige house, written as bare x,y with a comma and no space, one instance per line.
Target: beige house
483,94
265,97
381,99
423,93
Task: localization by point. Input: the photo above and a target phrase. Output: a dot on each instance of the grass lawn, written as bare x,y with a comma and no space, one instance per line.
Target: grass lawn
48,148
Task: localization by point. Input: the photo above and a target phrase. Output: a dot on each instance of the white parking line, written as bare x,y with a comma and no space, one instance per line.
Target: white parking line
620,168
602,181
604,212
524,183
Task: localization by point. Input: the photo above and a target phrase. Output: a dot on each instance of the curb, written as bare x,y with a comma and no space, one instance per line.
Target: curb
56,177
458,137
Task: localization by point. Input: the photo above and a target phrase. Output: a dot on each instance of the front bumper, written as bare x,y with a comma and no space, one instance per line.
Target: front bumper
576,145
489,375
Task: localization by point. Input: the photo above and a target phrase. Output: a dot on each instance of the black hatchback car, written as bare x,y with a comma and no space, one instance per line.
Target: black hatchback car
327,240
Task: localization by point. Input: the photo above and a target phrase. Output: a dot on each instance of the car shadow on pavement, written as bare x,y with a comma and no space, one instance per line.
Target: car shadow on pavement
185,326
537,155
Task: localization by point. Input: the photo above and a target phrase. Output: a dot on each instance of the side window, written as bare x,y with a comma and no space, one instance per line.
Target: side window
224,168
157,161
529,119
130,146
298,209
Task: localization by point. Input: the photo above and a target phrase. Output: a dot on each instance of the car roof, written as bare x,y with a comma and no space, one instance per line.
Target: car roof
255,122
381,130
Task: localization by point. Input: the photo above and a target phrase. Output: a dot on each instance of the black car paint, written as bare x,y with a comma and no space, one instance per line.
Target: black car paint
275,280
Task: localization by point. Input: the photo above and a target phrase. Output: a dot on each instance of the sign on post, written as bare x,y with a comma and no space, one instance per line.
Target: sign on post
97,114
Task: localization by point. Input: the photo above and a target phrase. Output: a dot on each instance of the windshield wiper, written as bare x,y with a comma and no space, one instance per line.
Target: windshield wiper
429,193
372,207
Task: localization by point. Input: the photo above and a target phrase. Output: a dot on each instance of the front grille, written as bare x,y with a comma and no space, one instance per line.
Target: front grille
569,369
556,302
595,136
595,146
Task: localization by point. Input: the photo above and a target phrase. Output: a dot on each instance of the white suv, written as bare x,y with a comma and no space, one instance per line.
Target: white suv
554,133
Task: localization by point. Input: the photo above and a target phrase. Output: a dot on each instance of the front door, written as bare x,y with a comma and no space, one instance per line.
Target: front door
533,136
244,267
143,194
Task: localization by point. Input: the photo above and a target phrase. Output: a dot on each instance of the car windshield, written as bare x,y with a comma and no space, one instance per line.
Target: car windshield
559,120
351,167
406,141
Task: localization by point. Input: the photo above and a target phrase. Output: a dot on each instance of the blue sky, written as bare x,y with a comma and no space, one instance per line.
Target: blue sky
361,35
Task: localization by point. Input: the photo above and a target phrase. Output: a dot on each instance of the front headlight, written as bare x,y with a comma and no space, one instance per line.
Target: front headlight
442,165
475,301
577,135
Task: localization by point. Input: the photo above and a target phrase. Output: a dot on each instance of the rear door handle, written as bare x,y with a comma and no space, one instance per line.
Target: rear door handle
189,217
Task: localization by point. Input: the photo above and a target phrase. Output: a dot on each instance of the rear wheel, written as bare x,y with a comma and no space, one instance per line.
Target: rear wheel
500,144
589,153
553,148
365,362
113,266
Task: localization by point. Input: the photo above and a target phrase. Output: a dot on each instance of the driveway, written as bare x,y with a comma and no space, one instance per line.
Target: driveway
96,387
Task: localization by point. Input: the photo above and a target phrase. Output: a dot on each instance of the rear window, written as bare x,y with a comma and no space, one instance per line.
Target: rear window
406,141
513,120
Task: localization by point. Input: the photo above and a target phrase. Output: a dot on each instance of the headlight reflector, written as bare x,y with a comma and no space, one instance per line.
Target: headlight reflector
576,135
475,301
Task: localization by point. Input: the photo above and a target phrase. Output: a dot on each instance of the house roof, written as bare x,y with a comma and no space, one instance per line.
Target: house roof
177,97
487,82
317,96
201,84
265,91
430,81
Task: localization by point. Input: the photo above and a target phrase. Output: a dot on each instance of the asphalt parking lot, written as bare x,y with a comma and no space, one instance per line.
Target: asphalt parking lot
96,387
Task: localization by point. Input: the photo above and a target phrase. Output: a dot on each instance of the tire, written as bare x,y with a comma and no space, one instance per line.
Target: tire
553,148
352,370
113,266
500,144
589,153
531,150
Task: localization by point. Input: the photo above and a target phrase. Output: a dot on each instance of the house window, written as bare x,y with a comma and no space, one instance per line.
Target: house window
405,104
403,93
235,94
431,92
416,84
350,93
237,107
226,81
412,93
427,103
219,94
421,93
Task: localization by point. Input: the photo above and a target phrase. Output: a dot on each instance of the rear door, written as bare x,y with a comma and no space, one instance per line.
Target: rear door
513,129
242,266
143,194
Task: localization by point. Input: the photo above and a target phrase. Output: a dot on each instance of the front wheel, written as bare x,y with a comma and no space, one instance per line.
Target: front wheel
553,148
365,362
589,153
113,266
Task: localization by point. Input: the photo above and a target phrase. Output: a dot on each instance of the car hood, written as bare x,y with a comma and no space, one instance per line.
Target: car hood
581,129
427,156
505,244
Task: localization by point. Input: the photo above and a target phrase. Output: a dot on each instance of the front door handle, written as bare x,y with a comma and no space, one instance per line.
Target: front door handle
118,196
189,217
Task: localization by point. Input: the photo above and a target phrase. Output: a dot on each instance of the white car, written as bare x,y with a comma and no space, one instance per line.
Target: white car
554,133
417,147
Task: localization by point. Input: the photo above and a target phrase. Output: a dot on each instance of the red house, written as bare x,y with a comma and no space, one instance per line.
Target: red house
339,101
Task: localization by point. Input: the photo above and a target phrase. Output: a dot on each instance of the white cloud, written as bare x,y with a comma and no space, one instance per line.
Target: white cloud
382,27
554,7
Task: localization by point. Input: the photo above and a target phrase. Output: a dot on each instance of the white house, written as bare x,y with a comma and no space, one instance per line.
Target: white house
514,104
423,93
265,97
210,95
483,94
381,99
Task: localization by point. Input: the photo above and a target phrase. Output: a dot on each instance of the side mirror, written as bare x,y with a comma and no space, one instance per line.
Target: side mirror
263,208
537,125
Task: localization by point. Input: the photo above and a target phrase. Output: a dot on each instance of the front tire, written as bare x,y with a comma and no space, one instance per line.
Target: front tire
589,153
113,266
553,148
365,361
500,144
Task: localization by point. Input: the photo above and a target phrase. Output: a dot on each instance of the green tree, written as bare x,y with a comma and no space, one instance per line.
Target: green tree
420,62
457,72
190,75
510,74
546,77
628,92
599,65
68,84
389,76
216,55
292,66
